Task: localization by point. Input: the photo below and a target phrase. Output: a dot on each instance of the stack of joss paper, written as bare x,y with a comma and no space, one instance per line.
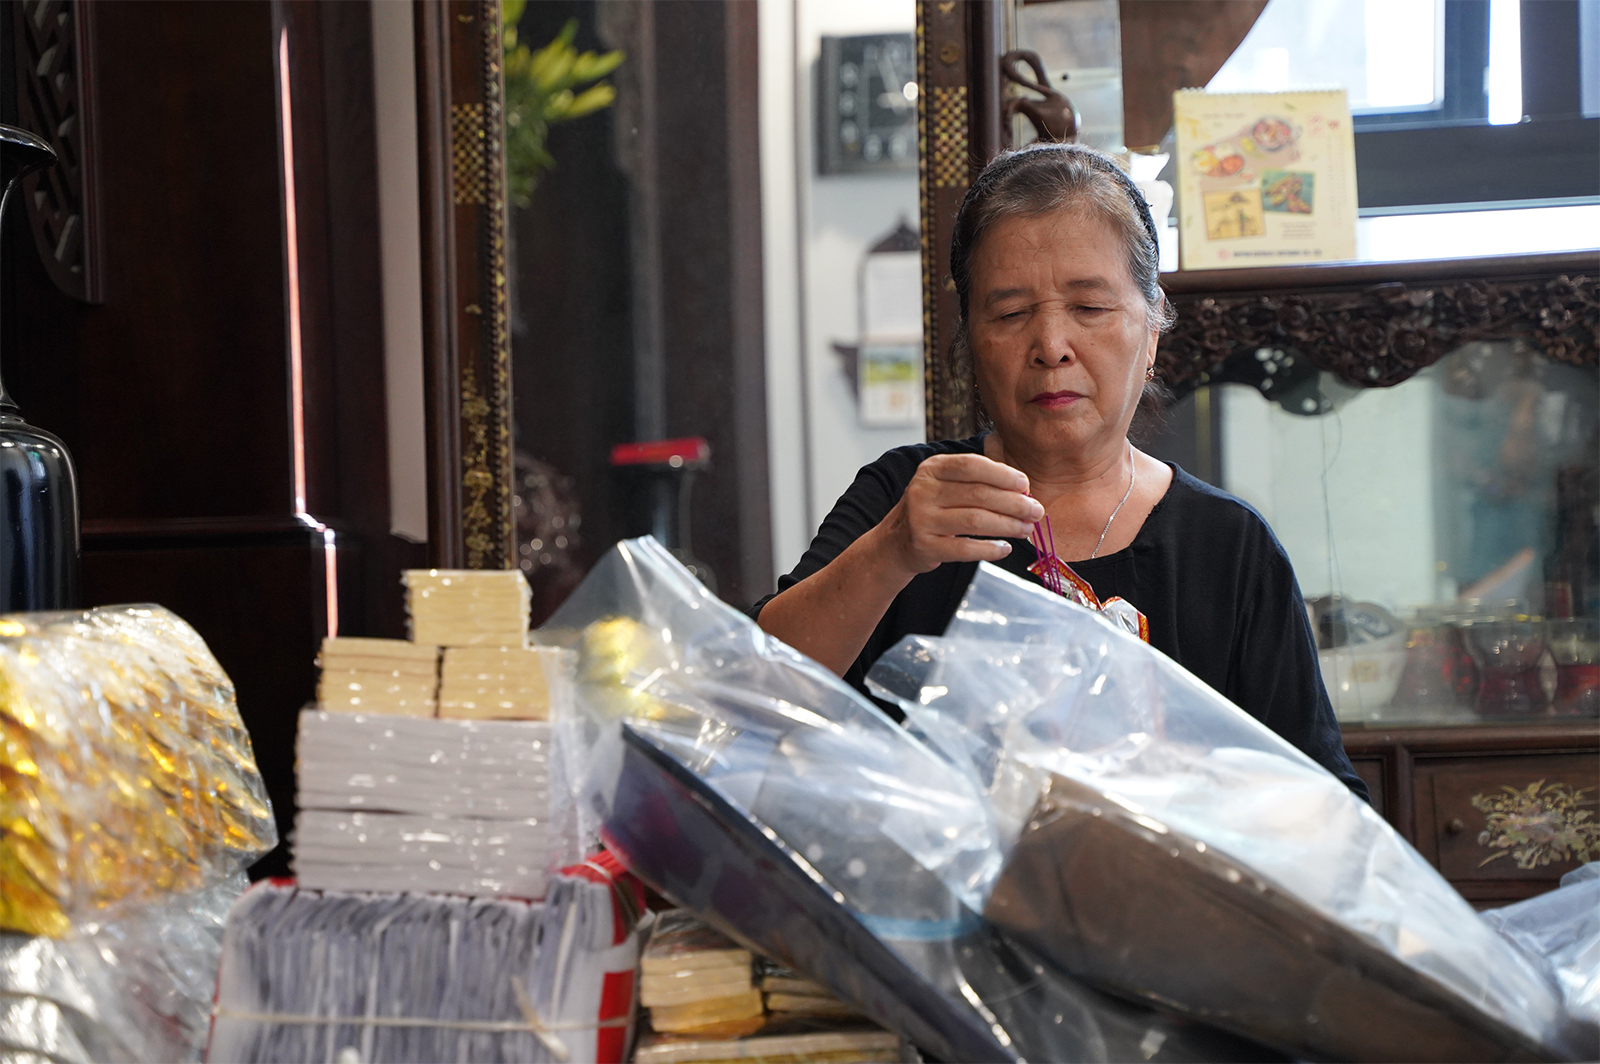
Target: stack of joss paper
497,682
388,676
130,806
695,981
790,997
425,977
468,607
423,805
706,1004
126,770
459,802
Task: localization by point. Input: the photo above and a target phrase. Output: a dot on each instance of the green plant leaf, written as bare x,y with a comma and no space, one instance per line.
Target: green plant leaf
592,99
539,91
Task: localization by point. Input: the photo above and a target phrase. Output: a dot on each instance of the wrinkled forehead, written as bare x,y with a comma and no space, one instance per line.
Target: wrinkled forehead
1074,244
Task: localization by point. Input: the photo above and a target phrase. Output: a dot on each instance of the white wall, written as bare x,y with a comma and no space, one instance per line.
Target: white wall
400,240
816,231
1365,473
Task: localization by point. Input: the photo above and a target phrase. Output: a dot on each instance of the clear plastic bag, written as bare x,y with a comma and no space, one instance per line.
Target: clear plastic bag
134,987
131,806
755,788
1209,816
125,757
657,649
1561,929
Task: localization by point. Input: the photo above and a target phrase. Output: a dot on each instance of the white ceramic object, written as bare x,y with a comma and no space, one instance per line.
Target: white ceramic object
1362,678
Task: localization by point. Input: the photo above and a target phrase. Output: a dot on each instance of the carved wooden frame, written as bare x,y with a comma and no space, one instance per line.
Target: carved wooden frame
54,66
1375,325
466,321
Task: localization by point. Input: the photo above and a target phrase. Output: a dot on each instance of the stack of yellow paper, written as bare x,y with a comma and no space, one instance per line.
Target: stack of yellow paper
789,996
468,607
387,676
504,683
695,981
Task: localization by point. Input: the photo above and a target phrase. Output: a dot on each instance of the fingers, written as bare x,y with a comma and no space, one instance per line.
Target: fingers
972,521
958,480
977,550
1013,504
975,469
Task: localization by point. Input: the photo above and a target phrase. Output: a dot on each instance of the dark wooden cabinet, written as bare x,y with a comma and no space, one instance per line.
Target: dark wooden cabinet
1499,810
231,455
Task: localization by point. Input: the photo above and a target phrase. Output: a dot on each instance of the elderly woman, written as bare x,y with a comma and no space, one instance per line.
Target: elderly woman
1054,262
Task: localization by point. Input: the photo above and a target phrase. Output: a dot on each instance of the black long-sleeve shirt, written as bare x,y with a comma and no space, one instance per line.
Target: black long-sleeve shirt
1205,570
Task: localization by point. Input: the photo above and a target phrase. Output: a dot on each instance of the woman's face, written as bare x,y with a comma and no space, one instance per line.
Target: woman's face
1060,336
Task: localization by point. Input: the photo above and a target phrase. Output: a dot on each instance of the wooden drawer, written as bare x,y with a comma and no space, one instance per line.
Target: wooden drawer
1502,828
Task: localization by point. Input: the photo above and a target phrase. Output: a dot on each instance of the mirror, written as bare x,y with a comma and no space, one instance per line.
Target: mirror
1447,117
634,261
714,276
1447,510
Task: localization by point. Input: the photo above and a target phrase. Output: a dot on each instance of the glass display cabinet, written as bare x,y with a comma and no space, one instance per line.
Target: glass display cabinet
1442,524
1423,436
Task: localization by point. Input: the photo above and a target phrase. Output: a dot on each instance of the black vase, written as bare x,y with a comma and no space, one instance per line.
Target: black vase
38,486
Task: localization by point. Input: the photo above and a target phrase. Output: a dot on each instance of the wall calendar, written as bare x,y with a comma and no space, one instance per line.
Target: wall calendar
1265,179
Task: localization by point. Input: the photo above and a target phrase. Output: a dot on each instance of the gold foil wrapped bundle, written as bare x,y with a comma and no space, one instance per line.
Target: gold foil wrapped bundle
125,771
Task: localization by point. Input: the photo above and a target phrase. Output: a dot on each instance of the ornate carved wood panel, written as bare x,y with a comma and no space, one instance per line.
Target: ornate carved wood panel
55,99
465,311
1377,325
958,131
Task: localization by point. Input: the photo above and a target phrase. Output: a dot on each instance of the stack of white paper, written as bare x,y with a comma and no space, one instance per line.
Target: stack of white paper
388,803
378,676
468,607
491,769
584,977
484,683
392,851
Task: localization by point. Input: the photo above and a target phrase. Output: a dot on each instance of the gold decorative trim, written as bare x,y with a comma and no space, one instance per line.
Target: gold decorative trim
925,217
497,331
476,480
949,136
1538,825
477,134
468,153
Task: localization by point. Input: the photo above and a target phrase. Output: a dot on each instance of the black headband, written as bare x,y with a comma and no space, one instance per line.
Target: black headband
1097,159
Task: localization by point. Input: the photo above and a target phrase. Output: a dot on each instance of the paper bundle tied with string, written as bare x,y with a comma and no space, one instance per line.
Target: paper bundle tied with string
126,774
424,977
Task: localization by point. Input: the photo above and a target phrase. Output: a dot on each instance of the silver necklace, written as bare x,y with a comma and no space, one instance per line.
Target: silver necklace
1133,471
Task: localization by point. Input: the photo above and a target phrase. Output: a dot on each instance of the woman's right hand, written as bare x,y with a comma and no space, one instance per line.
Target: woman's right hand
950,498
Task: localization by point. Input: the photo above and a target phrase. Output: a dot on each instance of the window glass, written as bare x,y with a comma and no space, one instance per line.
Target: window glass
1389,54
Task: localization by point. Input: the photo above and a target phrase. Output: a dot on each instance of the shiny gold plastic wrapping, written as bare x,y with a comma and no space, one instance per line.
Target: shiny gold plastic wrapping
125,771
